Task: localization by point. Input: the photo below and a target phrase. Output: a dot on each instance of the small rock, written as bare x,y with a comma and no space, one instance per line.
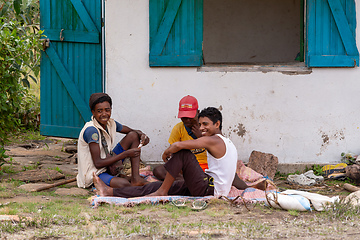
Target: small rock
263,163
71,149
353,198
353,172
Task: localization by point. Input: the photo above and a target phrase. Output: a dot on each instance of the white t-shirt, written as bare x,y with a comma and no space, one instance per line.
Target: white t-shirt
223,169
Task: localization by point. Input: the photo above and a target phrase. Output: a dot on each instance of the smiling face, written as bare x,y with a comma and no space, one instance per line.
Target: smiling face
102,113
190,122
208,128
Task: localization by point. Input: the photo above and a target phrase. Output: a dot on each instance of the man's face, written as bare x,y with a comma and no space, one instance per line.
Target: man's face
190,122
102,112
207,127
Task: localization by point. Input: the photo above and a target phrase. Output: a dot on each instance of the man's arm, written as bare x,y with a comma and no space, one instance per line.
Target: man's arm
143,138
213,144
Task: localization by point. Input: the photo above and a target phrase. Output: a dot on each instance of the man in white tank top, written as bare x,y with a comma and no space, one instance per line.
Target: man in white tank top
218,178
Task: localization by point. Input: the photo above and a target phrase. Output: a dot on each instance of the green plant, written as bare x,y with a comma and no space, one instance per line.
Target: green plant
31,167
348,158
19,62
317,169
56,169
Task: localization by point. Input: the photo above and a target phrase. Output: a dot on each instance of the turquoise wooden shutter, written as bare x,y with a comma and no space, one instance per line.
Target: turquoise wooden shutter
71,66
331,38
176,32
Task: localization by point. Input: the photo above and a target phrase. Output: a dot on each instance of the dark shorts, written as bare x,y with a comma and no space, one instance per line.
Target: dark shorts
195,183
118,149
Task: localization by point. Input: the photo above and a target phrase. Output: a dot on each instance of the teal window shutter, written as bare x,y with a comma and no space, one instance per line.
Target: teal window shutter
331,38
176,32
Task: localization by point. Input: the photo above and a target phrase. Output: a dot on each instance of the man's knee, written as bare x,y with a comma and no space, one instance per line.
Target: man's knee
159,172
133,135
184,154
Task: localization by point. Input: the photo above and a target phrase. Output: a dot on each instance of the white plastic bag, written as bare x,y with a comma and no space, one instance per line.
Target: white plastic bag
318,201
288,202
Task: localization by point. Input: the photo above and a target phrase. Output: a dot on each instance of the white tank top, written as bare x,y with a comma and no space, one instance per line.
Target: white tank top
223,169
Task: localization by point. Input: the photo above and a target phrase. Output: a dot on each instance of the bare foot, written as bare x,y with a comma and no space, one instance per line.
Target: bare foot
138,181
101,188
261,185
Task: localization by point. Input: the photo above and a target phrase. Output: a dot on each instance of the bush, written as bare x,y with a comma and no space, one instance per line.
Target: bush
19,62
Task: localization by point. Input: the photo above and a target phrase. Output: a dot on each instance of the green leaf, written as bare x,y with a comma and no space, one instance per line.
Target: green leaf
34,79
17,6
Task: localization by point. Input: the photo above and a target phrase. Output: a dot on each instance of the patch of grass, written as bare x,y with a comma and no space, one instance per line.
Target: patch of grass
294,213
56,169
26,136
9,188
8,169
281,176
343,211
31,167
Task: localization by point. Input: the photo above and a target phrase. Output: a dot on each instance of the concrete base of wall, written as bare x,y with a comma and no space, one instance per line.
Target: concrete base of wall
293,167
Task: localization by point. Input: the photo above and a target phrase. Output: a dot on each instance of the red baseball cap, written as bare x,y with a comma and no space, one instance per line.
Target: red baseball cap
188,107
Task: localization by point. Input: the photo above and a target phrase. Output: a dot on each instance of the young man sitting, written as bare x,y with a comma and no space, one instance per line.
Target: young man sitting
187,129
97,153
216,180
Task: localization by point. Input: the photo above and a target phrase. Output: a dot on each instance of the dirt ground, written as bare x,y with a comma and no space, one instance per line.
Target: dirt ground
64,212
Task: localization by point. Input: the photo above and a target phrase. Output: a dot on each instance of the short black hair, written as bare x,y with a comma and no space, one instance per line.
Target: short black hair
213,114
96,98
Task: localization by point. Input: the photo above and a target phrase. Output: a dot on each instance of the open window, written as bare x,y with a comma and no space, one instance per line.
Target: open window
251,31
187,32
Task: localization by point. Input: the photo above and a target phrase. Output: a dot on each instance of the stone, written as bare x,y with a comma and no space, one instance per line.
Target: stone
38,175
263,163
72,191
71,149
353,199
353,172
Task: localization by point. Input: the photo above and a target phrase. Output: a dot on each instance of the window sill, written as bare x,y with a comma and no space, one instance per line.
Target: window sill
288,69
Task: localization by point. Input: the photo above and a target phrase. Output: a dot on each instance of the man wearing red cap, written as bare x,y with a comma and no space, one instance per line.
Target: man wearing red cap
187,129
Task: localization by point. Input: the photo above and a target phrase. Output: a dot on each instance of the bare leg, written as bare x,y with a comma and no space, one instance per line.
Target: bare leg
160,172
261,185
118,182
132,140
241,185
238,183
101,188
165,186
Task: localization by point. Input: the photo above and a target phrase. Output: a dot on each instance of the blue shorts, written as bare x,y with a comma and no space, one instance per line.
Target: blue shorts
105,177
118,149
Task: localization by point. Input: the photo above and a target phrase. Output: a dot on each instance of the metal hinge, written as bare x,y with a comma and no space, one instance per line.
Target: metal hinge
45,43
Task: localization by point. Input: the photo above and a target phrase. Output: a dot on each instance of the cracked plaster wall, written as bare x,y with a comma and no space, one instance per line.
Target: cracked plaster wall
298,118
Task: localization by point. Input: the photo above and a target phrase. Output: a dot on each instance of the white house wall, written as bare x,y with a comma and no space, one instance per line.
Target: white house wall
299,118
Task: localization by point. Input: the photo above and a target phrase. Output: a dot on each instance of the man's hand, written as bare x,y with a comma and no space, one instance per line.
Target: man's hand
196,130
133,152
144,139
166,155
